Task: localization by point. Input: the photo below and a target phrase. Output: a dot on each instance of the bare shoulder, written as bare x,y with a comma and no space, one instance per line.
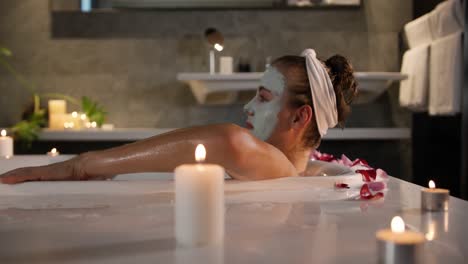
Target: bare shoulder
257,160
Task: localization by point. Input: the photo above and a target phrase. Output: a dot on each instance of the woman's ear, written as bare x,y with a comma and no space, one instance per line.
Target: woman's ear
302,117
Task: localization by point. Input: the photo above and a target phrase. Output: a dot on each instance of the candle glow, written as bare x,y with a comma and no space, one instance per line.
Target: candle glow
74,114
200,153
53,152
430,235
3,133
431,184
397,225
218,47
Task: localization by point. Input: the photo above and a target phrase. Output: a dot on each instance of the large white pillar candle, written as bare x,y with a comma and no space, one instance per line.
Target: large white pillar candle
58,121
199,206
6,145
57,113
57,107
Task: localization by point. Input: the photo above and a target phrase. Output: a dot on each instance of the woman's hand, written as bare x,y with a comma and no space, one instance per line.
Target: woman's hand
70,170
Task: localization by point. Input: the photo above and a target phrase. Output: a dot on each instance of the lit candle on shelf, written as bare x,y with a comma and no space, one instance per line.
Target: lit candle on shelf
397,245
199,206
53,153
68,125
75,118
434,199
57,107
91,125
6,145
57,121
57,113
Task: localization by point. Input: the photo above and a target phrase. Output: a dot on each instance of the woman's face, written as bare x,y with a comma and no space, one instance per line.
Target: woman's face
265,110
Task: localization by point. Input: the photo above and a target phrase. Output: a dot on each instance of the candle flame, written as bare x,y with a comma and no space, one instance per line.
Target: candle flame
200,153
3,133
397,225
431,184
53,151
75,114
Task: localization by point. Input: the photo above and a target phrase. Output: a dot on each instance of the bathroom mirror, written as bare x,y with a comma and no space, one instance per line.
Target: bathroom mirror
121,5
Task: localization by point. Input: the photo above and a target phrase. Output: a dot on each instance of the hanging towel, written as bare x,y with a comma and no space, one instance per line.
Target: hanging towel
459,12
445,19
418,32
445,88
414,90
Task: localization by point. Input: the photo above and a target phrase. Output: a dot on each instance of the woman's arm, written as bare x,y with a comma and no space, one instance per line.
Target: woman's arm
241,154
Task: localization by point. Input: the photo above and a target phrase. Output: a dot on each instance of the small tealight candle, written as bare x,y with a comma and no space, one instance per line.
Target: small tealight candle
6,145
199,202
434,199
53,153
397,245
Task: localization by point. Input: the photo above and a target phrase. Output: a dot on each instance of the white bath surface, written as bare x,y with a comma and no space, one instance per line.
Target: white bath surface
100,194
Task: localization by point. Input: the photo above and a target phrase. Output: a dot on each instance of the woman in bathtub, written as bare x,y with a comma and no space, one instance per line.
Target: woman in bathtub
299,98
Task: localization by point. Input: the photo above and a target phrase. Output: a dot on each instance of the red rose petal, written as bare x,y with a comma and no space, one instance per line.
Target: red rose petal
361,162
366,194
368,175
340,185
322,156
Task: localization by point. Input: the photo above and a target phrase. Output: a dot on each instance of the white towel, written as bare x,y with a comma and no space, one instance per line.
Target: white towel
444,19
414,90
418,32
446,75
459,12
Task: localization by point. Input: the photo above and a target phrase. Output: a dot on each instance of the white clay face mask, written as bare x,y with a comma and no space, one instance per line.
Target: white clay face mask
265,114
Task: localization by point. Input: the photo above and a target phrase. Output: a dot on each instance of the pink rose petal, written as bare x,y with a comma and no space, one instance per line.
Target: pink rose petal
377,186
381,174
346,161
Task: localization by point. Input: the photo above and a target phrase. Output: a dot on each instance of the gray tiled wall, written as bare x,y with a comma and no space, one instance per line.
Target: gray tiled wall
129,61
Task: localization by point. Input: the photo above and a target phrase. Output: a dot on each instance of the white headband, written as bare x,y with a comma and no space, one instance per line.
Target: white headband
323,95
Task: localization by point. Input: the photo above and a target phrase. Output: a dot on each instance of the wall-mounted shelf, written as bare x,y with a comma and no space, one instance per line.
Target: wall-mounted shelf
133,134
223,88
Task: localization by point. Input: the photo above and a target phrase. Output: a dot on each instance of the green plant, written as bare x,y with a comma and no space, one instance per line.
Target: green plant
93,110
28,129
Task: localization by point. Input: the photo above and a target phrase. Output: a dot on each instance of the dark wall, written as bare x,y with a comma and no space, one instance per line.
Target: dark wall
421,7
